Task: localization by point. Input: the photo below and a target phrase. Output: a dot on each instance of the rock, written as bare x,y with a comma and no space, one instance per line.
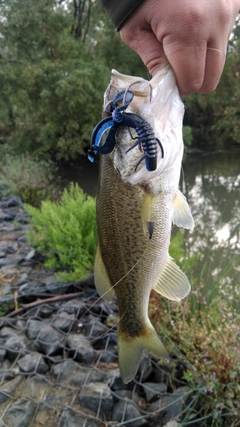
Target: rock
127,411
65,369
144,369
30,255
2,354
74,306
20,413
34,327
172,424
58,288
12,259
94,328
108,356
172,403
45,311
97,397
49,341
33,363
153,390
86,375
11,202
22,279
15,346
7,372
160,373
7,389
70,420
80,348
64,322
129,395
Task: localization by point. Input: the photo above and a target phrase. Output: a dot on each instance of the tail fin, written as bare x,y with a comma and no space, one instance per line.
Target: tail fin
130,350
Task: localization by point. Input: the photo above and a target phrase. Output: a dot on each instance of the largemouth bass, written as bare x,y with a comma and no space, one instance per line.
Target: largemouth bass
131,260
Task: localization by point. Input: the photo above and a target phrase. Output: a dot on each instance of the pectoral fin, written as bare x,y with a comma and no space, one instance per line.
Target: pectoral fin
146,213
172,282
101,278
182,216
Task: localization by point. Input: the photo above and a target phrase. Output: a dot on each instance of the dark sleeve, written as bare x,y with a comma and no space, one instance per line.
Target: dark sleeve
119,10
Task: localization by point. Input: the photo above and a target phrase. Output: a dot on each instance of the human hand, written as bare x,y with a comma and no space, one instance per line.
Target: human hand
191,35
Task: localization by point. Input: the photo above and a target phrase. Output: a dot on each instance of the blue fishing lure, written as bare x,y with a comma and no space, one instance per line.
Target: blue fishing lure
146,139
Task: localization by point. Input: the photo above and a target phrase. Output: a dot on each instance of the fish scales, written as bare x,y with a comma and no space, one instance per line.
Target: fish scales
128,262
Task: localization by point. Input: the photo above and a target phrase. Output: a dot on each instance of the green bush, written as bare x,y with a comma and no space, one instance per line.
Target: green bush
66,233
31,179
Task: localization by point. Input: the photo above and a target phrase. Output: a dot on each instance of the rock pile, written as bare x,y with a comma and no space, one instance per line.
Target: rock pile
58,357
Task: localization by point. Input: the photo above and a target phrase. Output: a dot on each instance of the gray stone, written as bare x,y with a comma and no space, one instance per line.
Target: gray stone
45,311
12,259
30,255
15,345
129,395
171,403
74,306
153,390
11,202
161,374
57,288
7,331
33,363
65,369
144,369
86,375
7,389
7,372
34,327
94,328
68,419
20,413
2,354
80,349
97,397
107,356
172,424
64,322
49,341
22,279
127,411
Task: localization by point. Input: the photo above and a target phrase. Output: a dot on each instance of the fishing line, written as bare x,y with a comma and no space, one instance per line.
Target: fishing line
132,84
113,286
109,330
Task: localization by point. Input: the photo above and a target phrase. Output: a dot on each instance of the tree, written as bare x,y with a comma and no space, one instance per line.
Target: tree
52,84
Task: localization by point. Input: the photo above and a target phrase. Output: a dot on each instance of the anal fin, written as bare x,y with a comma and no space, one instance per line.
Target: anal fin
172,282
101,278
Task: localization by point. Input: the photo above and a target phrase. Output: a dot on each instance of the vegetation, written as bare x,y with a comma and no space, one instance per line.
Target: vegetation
65,232
55,65
32,179
53,75
206,331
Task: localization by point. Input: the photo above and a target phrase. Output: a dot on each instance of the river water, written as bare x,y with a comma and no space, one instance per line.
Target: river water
211,183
